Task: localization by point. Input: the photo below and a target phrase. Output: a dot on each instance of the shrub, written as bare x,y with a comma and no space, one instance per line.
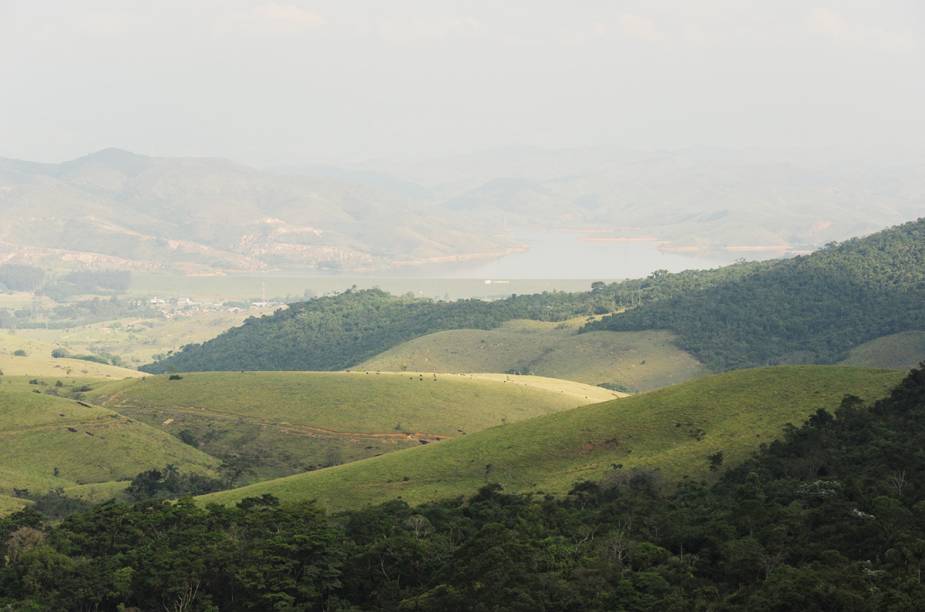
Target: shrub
187,437
92,358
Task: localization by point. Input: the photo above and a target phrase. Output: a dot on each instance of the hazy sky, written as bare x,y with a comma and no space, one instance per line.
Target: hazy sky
294,81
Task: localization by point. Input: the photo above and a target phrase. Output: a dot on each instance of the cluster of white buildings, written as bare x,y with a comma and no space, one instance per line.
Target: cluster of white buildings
186,307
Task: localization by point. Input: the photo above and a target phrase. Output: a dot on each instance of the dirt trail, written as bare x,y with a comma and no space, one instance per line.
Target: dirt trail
307,430
64,423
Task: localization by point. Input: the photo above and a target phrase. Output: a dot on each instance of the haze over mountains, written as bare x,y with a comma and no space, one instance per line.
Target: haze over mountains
116,209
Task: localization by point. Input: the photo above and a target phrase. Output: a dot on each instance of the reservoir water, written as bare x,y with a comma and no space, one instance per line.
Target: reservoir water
572,254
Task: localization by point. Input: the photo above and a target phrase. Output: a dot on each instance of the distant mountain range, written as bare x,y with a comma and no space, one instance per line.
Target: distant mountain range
116,209
120,210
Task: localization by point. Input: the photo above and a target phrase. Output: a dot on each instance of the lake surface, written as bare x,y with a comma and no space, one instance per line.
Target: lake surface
567,254
554,260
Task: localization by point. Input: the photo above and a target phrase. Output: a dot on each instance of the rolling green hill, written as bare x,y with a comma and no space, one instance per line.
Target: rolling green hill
902,351
810,309
136,340
21,355
673,430
636,361
283,422
49,442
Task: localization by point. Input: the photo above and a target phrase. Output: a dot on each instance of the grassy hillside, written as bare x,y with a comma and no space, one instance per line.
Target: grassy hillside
902,351
48,442
283,422
9,505
136,340
826,518
634,360
810,309
38,361
673,430
98,492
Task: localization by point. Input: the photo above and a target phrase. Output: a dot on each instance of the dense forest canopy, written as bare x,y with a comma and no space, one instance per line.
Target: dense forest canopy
830,517
809,309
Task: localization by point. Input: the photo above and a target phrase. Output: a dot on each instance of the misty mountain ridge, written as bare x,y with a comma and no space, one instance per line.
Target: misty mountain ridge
119,209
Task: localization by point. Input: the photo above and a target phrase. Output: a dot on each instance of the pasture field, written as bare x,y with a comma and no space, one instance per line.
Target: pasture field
283,422
584,393
14,300
137,341
48,442
97,492
902,351
38,361
636,361
672,430
9,505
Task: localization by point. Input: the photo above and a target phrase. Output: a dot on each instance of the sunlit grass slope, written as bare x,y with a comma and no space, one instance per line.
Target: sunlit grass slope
38,361
9,505
48,442
295,421
673,430
902,351
138,341
635,360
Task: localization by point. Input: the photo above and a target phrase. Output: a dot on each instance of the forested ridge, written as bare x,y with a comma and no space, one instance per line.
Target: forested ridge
335,332
830,517
339,331
809,309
